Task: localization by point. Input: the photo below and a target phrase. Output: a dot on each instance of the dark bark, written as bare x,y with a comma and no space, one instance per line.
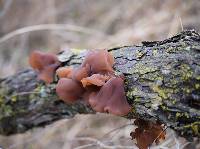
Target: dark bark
162,82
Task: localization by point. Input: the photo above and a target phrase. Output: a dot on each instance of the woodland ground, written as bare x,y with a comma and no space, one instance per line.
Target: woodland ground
53,25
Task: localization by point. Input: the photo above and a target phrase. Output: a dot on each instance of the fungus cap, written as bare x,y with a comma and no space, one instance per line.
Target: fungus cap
38,60
69,90
111,98
95,79
47,74
99,61
81,72
45,64
64,72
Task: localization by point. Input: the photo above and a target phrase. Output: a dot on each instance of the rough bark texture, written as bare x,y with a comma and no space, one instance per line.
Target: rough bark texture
162,82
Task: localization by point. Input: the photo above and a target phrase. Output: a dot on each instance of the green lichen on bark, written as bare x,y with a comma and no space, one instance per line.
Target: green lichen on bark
26,102
162,82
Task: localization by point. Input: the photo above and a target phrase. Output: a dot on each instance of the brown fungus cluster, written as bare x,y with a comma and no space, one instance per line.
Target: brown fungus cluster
94,82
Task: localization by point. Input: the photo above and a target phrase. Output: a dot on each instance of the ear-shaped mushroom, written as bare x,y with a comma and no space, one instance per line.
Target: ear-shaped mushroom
69,90
81,72
99,61
95,79
111,98
45,64
64,72
47,74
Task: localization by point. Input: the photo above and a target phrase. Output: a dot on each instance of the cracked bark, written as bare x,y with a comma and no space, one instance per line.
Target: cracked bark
162,82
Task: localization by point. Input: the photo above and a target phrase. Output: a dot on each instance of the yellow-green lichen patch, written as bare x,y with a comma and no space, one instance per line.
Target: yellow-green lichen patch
198,77
164,93
14,98
142,68
173,101
133,110
187,89
135,92
195,127
152,76
195,47
173,81
140,54
3,93
156,102
185,72
38,88
5,111
180,115
154,51
174,49
171,49
164,108
197,86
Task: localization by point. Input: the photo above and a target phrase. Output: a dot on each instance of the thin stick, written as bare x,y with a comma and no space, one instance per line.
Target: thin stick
40,27
101,144
181,23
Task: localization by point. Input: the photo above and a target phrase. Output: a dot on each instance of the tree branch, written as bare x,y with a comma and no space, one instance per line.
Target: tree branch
162,82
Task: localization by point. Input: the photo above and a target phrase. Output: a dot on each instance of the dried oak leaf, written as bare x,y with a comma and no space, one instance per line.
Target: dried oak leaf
147,132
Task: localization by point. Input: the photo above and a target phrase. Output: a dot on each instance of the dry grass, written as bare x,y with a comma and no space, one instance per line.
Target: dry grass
51,25
100,131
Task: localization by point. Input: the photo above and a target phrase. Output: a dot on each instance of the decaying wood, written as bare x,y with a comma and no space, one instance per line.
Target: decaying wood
162,82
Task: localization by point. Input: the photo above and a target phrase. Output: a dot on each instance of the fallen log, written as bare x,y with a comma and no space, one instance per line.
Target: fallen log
162,82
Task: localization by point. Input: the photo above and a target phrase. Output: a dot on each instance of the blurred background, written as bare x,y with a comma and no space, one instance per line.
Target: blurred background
53,25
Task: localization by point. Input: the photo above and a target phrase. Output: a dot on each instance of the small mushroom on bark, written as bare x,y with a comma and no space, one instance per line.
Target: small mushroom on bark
64,72
100,61
81,72
111,98
45,63
69,90
95,79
